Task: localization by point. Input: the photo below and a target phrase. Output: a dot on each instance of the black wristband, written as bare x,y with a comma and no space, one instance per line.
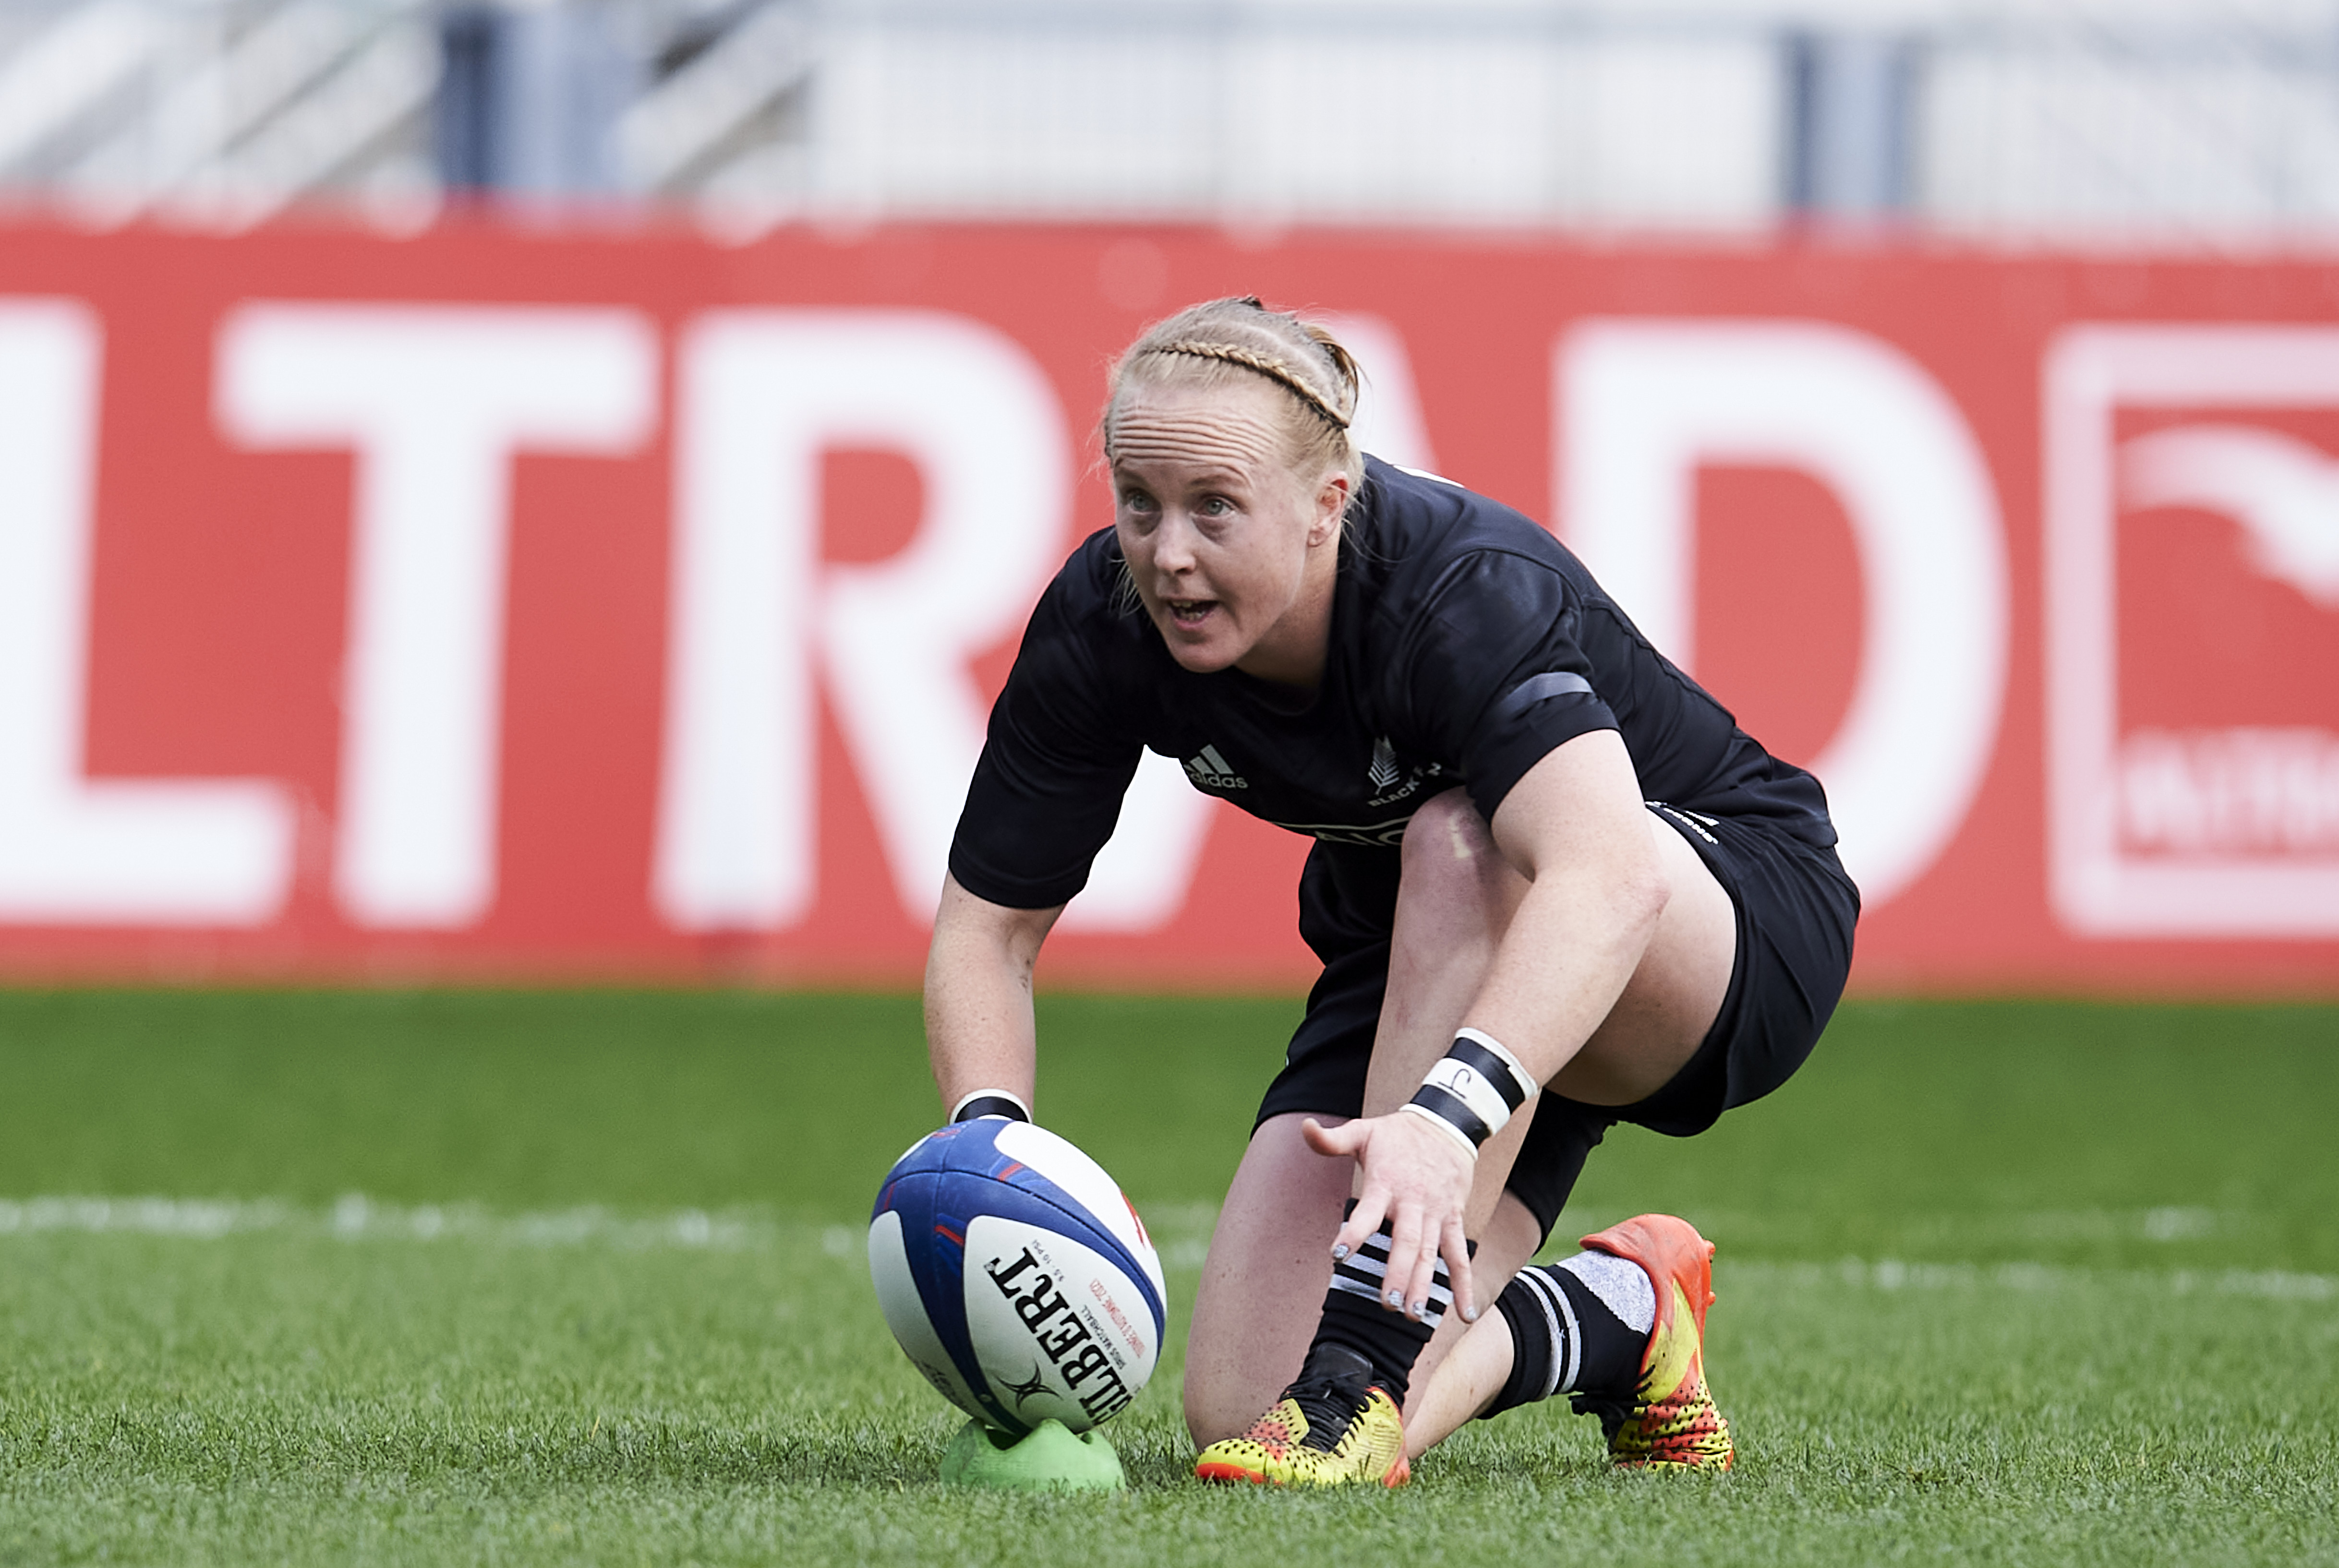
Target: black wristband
975,1107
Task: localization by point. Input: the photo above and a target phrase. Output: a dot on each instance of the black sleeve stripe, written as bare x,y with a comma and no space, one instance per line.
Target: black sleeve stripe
1541,688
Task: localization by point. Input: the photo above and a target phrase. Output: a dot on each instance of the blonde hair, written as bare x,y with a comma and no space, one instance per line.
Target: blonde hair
1212,344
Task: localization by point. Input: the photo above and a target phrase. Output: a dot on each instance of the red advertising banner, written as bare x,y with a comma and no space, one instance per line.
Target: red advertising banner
493,604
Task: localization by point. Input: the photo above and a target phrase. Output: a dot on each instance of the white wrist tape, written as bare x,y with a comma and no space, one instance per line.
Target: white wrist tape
1474,1088
985,1103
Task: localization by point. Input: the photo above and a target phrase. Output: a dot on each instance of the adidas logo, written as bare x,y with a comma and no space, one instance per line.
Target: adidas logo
1210,771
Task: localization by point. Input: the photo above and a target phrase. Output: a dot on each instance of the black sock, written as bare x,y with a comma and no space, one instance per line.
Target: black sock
1333,1387
1354,1319
1389,1342
1564,1340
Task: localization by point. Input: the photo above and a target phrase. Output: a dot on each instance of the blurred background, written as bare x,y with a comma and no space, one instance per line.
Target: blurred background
449,429
2192,122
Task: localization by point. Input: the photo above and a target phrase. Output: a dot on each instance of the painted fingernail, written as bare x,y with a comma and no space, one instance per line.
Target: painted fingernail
1469,1314
1340,1253
1419,1311
1397,1299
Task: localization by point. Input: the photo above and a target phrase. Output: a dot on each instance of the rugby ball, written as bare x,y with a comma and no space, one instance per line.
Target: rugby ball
1016,1276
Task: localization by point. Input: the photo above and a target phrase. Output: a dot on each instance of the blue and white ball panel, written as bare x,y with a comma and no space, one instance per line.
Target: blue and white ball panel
1019,1295
1083,1179
905,1313
1058,1330
1033,1161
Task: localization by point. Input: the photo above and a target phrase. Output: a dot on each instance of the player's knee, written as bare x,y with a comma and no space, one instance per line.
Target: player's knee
1216,1411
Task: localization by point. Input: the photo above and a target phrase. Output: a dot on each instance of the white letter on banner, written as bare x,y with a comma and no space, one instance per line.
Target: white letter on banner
74,850
1641,404
434,400
761,394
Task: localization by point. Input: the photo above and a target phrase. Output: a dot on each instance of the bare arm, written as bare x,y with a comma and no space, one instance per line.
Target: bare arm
1575,829
979,1028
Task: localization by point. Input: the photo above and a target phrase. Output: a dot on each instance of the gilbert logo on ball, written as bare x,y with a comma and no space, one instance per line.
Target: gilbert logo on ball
1016,1276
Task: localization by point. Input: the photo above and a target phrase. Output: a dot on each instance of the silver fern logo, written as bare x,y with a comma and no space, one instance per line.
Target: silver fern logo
1390,781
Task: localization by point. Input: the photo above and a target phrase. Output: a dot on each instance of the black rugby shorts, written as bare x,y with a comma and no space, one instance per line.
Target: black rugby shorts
1796,909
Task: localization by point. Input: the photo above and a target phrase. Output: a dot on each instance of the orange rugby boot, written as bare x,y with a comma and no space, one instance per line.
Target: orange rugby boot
1672,1423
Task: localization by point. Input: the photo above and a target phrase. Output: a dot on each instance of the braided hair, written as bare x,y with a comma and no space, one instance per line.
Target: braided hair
1216,342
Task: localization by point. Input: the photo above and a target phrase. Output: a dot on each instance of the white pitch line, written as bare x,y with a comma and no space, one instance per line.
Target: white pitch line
356,1218
1180,1231
199,1217
1888,1273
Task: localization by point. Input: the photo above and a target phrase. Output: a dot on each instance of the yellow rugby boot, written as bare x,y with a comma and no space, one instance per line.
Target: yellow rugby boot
1334,1427
1672,1424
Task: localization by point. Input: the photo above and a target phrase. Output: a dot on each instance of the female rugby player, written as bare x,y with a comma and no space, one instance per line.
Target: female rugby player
1553,887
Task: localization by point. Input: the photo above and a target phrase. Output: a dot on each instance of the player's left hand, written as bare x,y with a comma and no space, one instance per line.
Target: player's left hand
1418,1180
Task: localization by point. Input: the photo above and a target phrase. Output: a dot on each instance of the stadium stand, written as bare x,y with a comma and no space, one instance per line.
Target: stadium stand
2208,123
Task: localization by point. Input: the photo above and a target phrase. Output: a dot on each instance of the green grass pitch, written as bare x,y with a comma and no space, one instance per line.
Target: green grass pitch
578,1277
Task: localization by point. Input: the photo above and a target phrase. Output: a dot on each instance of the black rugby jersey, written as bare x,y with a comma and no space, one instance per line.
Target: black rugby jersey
1466,644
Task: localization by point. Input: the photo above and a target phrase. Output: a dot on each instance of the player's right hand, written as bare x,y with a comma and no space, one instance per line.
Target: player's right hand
1418,1180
